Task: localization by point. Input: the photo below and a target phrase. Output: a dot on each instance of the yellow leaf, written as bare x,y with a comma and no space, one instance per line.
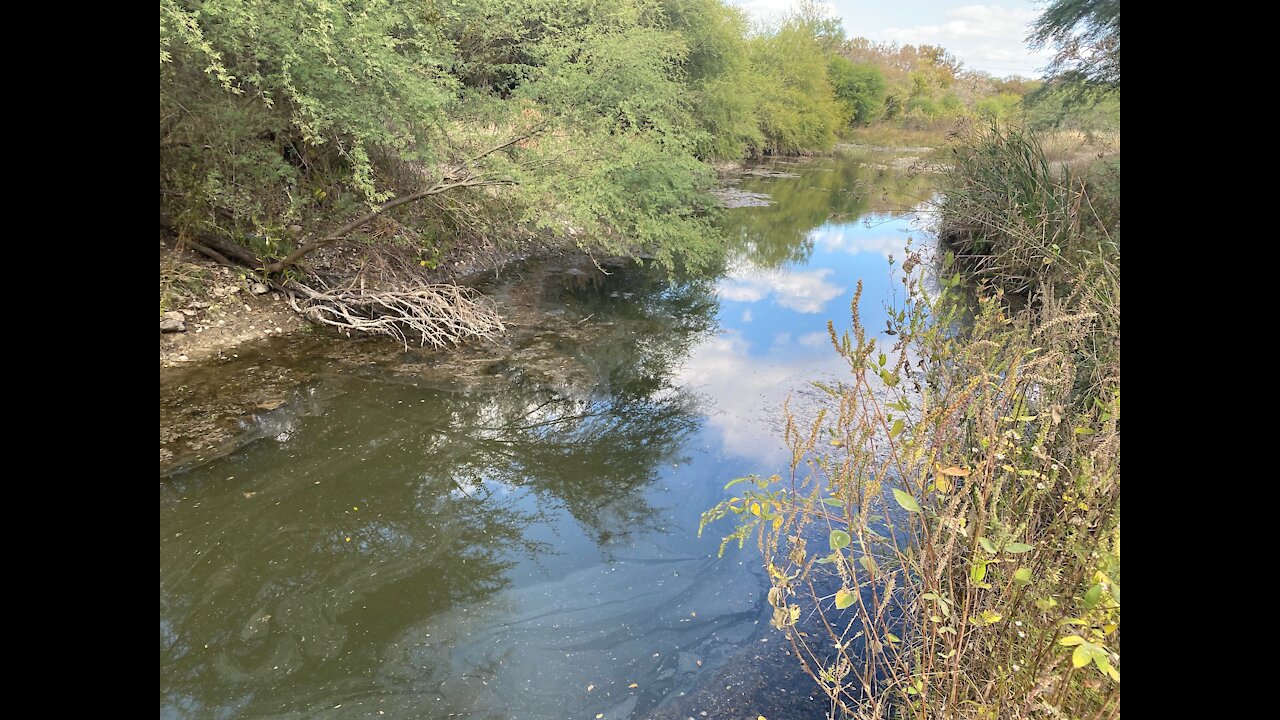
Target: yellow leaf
632,685
954,471
348,539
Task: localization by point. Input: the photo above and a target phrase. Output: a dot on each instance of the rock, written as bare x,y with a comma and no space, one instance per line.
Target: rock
189,313
183,358
260,289
173,321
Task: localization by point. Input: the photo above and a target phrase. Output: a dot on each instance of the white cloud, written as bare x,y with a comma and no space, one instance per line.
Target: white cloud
805,291
814,339
984,37
851,239
748,392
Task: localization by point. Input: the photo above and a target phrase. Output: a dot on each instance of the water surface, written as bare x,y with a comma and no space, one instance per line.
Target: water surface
510,531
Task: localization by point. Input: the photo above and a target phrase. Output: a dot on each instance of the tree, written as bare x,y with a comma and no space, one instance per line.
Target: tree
860,88
1086,35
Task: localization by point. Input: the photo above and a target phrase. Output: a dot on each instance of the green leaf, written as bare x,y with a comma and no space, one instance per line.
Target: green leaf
906,501
1022,576
1092,596
977,571
844,599
1018,548
833,502
896,429
1071,640
987,545
889,378
1082,656
892,638
839,539
828,559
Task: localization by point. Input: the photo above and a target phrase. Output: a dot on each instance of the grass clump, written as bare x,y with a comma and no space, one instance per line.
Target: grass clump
1016,219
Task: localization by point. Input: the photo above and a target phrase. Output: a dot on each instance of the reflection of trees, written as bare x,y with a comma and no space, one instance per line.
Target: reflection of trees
778,234
595,445
285,603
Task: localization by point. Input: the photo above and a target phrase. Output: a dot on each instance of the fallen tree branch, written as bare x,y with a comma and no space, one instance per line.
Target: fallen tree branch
435,315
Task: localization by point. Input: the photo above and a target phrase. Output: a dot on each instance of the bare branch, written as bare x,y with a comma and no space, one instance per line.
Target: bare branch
435,315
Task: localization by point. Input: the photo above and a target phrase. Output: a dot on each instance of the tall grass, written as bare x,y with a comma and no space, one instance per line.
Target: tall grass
1016,219
946,542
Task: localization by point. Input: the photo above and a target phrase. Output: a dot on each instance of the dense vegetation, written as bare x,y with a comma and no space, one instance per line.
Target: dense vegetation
288,126
946,540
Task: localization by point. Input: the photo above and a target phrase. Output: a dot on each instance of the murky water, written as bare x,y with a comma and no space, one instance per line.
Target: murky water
510,531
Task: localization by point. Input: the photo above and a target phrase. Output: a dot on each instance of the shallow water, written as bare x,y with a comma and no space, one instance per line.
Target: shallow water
511,531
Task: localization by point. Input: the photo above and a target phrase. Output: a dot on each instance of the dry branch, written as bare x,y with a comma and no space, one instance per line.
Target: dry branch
437,315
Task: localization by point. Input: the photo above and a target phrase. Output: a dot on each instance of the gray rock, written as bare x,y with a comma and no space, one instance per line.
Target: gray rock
173,321
260,289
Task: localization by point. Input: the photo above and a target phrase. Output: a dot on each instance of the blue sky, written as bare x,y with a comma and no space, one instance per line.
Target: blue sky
986,36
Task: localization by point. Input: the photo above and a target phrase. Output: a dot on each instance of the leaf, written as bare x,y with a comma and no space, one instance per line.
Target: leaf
896,429
977,571
844,599
1071,640
1103,662
833,502
1018,548
954,471
892,638
829,559
906,501
1081,656
1092,597
1022,576
889,378
839,539
987,545
869,563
